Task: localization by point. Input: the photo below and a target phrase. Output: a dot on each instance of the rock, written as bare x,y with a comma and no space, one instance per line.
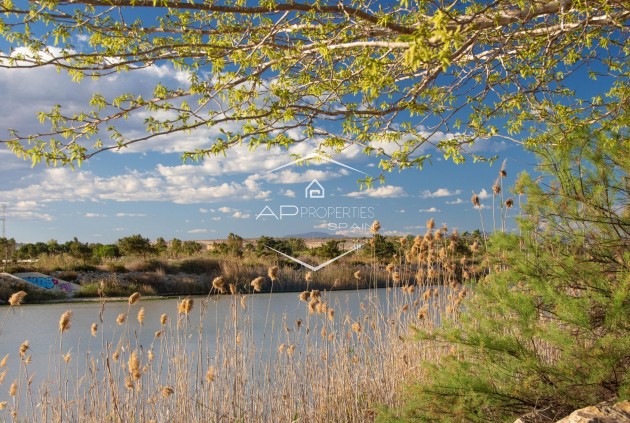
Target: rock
604,412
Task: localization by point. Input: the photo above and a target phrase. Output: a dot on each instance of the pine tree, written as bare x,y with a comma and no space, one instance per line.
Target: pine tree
548,331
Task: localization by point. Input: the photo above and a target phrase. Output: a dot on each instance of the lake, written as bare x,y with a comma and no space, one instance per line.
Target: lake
244,340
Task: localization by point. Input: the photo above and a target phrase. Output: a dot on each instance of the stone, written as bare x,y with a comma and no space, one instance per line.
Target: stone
602,413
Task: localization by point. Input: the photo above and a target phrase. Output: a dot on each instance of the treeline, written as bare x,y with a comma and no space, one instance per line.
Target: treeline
135,245
383,248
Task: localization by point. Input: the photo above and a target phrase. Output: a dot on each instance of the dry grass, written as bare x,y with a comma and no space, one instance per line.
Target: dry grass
332,365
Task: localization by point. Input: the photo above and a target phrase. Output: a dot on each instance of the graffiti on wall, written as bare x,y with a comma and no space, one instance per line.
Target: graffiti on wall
48,282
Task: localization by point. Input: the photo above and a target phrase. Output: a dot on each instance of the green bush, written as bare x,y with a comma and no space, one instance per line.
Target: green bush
548,331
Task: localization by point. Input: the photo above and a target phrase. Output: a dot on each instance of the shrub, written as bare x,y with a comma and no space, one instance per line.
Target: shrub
548,331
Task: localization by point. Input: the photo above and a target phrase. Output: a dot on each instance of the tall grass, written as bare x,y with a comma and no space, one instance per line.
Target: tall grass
329,365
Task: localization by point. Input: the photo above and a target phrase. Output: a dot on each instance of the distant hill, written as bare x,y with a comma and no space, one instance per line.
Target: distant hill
308,235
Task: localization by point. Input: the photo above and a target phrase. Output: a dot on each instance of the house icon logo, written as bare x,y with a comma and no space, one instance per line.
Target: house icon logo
314,190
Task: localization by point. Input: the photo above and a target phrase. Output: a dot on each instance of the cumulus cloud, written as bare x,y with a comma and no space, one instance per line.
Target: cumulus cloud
288,193
240,215
456,201
62,184
94,215
29,215
483,194
440,192
429,210
387,191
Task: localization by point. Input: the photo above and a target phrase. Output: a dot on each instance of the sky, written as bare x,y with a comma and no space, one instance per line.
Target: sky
147,189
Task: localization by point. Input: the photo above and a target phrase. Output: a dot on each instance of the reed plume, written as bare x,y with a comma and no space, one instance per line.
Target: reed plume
141,316
134,365
23,348
272,272
376,226
185,306
93,329
257,283
219,284
134,298
64,321
16,298
121,319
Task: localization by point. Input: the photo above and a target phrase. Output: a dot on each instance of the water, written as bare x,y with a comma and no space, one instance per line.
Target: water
269,317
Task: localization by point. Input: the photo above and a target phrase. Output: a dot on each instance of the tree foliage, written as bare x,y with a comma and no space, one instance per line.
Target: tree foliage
135,245
406,74
548,331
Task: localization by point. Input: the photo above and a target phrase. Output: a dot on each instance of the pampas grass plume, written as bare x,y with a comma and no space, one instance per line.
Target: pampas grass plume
272,272
23,348
64,321
16,298
134,298
185,306
257,284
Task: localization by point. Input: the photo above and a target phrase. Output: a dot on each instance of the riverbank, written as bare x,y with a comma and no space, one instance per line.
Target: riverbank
160,282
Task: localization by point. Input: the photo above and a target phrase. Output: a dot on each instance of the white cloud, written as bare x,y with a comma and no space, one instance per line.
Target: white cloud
440,192
225,209
429,210
25,205
93,215
197,231
294,177
29,215
387,191
56,184
240,215
395,233
288,193
456,201
354,233
202,210
130,215
483,194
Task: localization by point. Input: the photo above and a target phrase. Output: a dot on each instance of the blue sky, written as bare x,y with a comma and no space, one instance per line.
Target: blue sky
147,189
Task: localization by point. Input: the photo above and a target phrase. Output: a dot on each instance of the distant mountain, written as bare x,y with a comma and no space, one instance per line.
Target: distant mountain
315,235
